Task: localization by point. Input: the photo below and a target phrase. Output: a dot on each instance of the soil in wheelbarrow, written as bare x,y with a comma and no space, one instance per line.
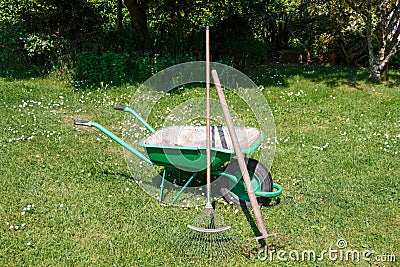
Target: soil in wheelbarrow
183,147
195,136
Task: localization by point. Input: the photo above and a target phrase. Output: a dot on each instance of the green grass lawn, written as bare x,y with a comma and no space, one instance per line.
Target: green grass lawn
68,198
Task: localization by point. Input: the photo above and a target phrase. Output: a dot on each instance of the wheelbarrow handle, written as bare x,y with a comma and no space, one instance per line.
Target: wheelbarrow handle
137,116
83,122
113,137
120,108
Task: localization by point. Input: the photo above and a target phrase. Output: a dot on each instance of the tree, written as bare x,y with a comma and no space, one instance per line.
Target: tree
382,19
138,14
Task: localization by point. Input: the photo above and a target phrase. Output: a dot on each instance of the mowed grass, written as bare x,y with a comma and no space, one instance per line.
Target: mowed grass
68,199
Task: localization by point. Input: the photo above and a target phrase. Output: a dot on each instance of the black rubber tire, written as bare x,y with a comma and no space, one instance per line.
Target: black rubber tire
237,194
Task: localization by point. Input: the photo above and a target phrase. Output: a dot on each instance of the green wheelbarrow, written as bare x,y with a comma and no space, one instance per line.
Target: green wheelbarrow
183,148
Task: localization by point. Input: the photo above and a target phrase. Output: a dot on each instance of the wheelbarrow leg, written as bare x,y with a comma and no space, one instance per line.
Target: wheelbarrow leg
184,187
162,185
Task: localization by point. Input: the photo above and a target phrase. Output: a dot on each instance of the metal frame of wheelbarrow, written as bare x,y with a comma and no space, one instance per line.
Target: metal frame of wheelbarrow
137,153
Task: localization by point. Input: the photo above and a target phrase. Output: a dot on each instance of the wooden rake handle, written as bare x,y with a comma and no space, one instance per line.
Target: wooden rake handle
208,115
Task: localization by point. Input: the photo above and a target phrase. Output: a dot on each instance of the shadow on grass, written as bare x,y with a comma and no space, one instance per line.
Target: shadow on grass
332,76
121,174
252,223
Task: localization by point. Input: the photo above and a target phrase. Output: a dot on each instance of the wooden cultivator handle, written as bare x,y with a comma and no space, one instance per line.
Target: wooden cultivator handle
243,166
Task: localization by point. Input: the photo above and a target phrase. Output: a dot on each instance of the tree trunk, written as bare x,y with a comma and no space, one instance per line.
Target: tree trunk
119,14
373,61
374,72
386,28
379,68
138,13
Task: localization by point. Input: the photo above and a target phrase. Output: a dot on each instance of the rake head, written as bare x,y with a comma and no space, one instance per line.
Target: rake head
209,237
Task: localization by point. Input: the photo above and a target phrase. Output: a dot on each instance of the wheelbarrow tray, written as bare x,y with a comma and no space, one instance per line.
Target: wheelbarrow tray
184,147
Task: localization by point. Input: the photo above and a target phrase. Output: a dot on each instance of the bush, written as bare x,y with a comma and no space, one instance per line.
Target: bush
22,52
114,68
37,36
235,43
109,68
11,56
396,60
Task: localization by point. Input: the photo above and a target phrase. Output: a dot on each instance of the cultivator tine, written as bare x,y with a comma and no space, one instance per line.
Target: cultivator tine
276,244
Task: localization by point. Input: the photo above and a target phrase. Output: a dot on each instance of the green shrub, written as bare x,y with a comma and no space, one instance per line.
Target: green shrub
144,65
396,60
26,52
108,68
114,68
23,52
11,55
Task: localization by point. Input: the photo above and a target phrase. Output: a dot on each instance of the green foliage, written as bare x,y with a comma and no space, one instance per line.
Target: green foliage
12,11
296,45
23,51
324,43
108,68
145,65
11,56
40,49
396,60
39,36
112,68
42,35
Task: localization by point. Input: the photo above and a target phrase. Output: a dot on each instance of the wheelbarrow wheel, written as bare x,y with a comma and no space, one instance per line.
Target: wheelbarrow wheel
236,193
